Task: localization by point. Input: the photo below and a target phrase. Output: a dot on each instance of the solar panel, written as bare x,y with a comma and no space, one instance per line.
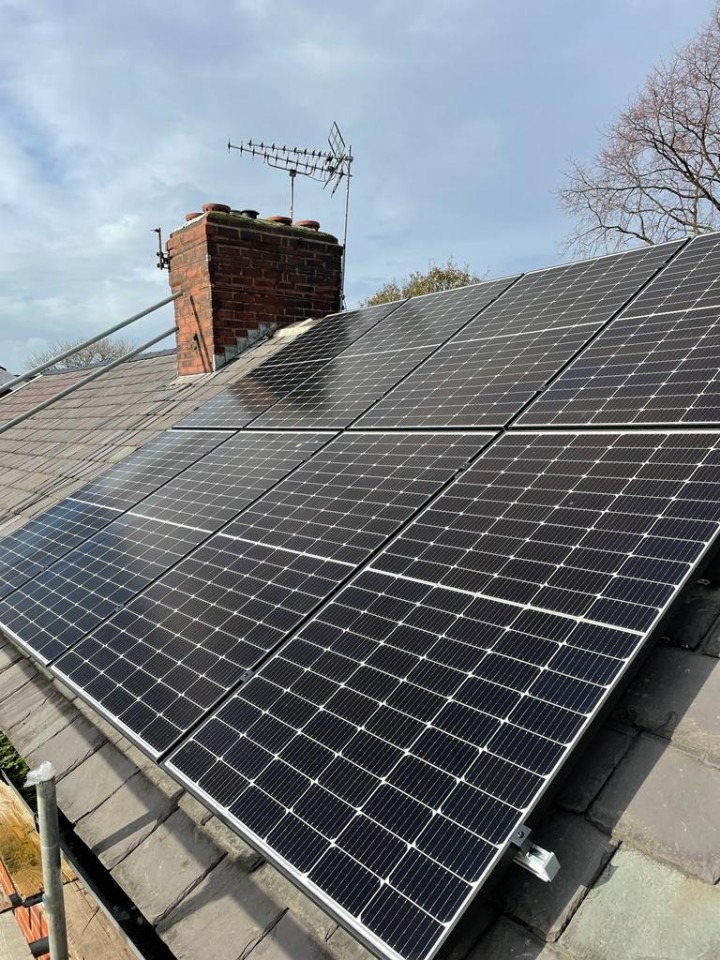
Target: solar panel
333,334
62,604
215,489
385,755
486,373
166,658
146,469
242,401
246,399
657,363
27,551
477,384
571,293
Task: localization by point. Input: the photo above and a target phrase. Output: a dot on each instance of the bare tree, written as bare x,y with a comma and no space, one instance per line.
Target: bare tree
109,348
437,277
656,176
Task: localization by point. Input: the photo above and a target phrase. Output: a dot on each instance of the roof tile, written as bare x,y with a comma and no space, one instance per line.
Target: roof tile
224,917
642,909
162,869
509,941
124,820
664,801
677,696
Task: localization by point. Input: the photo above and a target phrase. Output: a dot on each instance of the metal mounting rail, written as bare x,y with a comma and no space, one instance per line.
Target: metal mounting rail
21,378
81,383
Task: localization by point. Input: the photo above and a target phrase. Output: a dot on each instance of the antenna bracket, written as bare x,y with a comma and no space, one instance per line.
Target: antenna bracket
163,258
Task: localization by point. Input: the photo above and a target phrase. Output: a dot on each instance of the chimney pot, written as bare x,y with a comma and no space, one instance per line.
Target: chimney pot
276,218
216,208
253,214
192,216
308,224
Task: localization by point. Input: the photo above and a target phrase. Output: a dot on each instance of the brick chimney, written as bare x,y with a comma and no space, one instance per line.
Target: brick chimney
240,276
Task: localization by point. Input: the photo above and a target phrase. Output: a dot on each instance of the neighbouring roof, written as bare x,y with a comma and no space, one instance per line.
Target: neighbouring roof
635,829
5,377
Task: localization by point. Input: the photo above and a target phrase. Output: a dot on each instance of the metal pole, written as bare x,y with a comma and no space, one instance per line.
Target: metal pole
53,900
86,343
81,383
345,233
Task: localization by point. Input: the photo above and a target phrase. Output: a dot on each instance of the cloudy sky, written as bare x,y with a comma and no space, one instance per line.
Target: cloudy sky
461,114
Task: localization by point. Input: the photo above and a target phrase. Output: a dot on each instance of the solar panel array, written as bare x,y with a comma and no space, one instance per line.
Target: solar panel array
366,632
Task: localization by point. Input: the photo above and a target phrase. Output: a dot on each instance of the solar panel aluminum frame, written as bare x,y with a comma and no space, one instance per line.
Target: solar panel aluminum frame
540,801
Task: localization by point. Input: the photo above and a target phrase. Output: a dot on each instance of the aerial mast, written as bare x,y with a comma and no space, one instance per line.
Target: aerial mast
329,167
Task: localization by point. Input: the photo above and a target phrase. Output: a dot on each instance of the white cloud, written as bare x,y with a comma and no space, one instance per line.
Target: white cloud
113,233
255,8
329,57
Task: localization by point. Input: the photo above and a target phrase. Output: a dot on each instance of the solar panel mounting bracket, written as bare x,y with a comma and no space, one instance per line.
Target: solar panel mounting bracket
537,860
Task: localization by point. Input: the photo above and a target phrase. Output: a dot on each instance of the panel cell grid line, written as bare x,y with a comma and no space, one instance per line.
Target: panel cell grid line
161,662
242,401
486,373
657,363
62,604
29,550
214,490
355,492
146,469
385,755
429,320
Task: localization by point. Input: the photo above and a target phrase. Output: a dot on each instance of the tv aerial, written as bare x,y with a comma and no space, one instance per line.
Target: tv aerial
329,167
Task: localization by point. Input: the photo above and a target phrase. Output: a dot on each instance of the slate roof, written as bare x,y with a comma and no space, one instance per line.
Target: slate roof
636,827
